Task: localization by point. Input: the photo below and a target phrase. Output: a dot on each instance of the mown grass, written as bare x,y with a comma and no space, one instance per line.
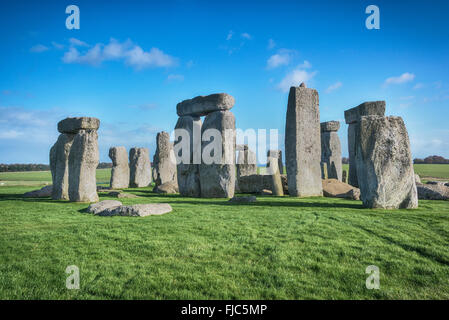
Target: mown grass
276,248
432,170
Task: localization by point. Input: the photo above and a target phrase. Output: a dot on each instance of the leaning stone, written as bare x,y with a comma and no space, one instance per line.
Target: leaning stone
337,189
101,206
302,143
245,199
384,164
138,210
203,105
140,167
164,160
433,192
166,188
73,125
217,180
276,181
59,166
43,192
120,168
83,161
188,171
277,154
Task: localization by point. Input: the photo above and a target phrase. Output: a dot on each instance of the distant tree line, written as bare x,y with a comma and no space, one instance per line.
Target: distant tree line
431,159
16,167
345,160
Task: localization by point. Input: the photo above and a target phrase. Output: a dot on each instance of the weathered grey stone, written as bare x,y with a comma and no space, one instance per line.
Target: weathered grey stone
345,176
417,178
83,161
330,126
203,105
101,206
324,173
255,183
166,188
188,171
138,210
43,192
164,160
273,170
384,164
73,125
59,166
217,180
440,183
121,195
369,108
331,149
246,161
266,192
302,143
244,199
432,192
140,167
277,154
337,189
120,168
352,117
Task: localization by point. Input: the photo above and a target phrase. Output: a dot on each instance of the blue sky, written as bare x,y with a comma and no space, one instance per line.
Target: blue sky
131,62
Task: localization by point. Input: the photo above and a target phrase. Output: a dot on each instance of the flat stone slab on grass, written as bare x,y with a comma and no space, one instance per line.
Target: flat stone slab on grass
432,191
336,189
119,194
101,206
43,192
247,199
138,210
203,105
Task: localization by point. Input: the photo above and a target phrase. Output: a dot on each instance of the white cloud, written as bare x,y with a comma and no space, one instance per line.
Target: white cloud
246,35
271,44
282,58
403,78
418,86
132,54
77,43
175,77
57,45
306,65
334,87
38,48
294,78
229,36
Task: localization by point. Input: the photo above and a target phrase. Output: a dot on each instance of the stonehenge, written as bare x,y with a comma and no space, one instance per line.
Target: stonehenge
211,176
275,174
246,161
120,168
74,159
164,162
331,149
384,163
277,154
352,117
140,168
302,143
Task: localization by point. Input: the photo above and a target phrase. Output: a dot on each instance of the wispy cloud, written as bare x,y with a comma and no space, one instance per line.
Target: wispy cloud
132,55
271,44
246,35
77,43
294,78
175,77
281,58
334,87
230,35
38,48
418,86
403,78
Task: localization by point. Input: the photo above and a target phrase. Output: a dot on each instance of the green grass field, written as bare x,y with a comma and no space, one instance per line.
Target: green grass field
276,248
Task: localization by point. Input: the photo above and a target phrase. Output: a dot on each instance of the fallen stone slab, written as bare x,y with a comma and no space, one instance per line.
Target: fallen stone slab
43,192
101,206
336,189
246,199
266,192
439,183
432,191
138,210
166,188
73,125
203,105
119,194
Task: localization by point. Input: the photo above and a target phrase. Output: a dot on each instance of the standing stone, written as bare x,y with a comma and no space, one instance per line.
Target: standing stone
324,173
277,154
345,176
217,179
246,161
331,149
188,128
140,167
352,117
120,168
384,163
59,166
302,143
273,170
203,105
83,161
164,160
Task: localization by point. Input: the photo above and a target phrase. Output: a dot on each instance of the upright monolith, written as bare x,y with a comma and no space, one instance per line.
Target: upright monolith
302,143
164,160
59,166
331,149
246,161
140,168
120,168
277,154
